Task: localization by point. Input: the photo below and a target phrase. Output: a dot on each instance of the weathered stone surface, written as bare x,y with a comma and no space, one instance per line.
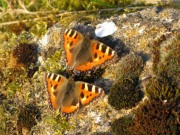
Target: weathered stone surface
137,33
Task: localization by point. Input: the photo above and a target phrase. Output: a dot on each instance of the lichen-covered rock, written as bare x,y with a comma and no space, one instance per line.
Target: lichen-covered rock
147,43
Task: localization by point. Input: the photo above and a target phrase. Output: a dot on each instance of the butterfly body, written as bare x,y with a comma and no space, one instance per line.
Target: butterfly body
69,96
84,54
81,54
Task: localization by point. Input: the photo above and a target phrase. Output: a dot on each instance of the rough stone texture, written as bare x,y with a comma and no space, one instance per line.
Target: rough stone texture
136,33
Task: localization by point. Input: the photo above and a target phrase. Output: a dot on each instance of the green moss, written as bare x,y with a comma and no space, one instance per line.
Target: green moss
156,117
17,28
162,89
123,94
53,63
122,126
78,17
166,56
170,61
13,81
70,18
169,4
2,119
39,28
7,116
155,49
13,87
59,124
166,62
130,67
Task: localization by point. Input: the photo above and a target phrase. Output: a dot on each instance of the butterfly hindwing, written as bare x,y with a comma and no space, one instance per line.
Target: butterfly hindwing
88,92
101,55
53,81
70,110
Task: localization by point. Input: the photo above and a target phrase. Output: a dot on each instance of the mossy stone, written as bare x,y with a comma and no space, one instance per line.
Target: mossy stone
122,126
169,66
162,89
130,67
28,117
25,54
123,94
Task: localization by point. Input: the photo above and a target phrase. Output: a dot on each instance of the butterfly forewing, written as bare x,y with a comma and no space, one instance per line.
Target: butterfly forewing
53,81
88,92
102,53
71,39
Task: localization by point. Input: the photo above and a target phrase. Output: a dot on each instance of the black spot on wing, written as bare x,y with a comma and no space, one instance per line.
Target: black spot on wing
51,84
95,55
55,93
55,86
71,43
82,95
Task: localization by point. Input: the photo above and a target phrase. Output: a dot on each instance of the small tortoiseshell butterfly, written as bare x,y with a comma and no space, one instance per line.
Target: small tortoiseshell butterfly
69,96
83,54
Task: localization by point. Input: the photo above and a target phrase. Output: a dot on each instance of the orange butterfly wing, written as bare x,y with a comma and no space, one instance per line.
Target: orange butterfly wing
69,110
102,54
71,38
88,92
52,82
